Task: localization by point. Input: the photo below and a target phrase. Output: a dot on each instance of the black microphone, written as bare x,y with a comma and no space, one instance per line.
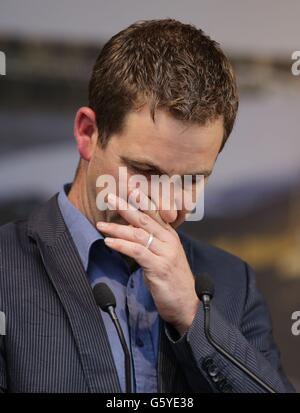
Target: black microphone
204,287
106,300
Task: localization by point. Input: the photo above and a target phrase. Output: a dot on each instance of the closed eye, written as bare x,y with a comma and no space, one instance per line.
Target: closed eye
140,171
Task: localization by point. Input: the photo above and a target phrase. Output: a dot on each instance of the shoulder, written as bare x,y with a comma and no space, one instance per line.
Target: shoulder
13,234
231,275
17,250
199,252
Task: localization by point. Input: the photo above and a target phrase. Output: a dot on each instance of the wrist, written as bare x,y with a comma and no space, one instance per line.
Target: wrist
183,326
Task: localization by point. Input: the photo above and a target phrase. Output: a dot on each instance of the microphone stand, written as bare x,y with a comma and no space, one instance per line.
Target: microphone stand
115,320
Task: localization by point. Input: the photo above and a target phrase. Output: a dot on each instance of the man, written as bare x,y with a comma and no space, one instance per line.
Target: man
162,101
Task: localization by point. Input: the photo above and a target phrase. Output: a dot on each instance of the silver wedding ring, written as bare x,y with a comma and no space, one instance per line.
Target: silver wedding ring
149,241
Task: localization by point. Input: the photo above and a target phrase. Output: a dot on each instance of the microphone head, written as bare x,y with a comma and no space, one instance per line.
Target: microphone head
104,296
204,285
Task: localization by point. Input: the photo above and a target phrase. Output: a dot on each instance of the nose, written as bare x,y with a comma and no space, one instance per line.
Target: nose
168,216
167,201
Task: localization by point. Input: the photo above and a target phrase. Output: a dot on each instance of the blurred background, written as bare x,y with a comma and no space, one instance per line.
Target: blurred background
252,201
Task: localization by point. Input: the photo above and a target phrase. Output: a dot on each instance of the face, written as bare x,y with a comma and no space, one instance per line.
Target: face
167,146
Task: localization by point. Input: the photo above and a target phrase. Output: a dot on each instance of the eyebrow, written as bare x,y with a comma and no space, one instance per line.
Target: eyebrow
142,162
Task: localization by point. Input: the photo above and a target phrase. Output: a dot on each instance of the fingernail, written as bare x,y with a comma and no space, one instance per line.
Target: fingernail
132,196
102,224
111,199
135,191
108,241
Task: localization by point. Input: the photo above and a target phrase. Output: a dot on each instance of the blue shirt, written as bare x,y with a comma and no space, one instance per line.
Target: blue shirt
135,309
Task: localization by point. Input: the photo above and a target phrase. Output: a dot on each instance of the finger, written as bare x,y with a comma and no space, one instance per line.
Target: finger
137,218
132,234
141,201
165,200
142,255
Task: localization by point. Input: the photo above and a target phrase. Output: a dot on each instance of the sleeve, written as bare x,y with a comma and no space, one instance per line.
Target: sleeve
3,377
251,343
3,374
2,367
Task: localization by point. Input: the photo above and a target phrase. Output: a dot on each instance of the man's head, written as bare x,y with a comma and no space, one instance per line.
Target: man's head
161,93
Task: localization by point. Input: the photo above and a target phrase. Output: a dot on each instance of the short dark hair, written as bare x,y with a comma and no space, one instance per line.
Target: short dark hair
166,64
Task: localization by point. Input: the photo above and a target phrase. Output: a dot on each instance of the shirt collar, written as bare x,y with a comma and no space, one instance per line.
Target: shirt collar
83,232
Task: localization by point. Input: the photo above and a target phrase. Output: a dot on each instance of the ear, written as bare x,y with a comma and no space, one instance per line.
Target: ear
86,132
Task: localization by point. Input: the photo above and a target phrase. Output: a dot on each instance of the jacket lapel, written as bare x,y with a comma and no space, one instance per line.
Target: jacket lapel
167,363
64,268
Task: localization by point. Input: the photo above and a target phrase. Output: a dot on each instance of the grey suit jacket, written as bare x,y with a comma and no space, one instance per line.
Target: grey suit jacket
55,337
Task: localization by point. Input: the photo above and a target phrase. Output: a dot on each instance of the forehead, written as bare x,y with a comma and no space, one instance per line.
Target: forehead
168,141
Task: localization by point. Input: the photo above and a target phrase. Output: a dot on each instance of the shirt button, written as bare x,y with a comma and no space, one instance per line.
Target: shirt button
139,342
